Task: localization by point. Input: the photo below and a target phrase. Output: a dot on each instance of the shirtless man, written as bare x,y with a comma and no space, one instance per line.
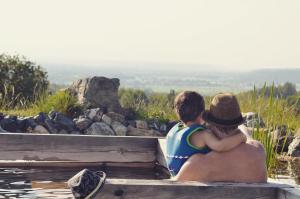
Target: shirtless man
245,163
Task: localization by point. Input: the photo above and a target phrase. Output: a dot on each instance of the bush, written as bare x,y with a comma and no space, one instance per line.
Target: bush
158,106
21,81
61,101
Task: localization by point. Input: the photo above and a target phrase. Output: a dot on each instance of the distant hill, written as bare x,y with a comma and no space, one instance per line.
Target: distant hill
207,82
270,75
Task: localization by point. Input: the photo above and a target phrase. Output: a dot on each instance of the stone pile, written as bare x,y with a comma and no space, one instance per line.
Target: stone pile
93,122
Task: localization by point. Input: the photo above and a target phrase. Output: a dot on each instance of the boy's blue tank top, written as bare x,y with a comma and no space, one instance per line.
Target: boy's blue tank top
179,148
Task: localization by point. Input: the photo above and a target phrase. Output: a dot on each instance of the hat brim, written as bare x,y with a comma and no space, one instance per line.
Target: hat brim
209,118
99,186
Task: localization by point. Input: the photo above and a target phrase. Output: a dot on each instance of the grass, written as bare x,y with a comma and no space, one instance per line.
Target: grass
275,112
61,101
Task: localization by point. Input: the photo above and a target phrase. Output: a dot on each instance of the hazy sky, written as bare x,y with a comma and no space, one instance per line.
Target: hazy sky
237,34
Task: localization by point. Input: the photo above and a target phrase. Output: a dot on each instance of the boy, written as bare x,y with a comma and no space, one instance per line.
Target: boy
190,136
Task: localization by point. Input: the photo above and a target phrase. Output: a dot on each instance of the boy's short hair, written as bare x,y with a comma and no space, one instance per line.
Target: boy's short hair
189,105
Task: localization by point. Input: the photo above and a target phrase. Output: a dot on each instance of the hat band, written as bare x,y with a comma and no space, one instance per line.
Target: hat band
235,121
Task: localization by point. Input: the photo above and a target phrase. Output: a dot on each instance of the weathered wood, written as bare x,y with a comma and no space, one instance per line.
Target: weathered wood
146,189
161,152
83,148
288,193
68,164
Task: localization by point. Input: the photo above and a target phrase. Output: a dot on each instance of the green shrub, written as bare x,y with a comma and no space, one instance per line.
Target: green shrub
21,82
61,101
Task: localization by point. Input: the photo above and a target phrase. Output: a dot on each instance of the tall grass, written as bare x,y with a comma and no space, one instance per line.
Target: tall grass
61,101
275,113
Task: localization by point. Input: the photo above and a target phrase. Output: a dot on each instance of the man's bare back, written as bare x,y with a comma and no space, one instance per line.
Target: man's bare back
245,163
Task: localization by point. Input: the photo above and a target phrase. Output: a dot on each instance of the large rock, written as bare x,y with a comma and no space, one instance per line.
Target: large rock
98,92
83,123
10,124
282,138
294,148
119,128
116,117
99,128
141,124
253,120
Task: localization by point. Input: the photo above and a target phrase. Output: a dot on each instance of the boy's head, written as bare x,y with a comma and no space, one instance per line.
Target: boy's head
189,106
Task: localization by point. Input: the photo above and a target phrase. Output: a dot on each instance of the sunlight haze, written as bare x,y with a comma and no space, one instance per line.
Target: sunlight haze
235,34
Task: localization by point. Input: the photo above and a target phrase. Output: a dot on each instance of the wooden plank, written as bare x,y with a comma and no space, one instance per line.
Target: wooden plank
69,164
157,189
84,148
288,193
161,152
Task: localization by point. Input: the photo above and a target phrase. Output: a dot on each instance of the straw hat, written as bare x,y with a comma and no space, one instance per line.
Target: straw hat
224,111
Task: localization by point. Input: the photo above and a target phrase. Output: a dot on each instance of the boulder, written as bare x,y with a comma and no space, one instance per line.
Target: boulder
97,92
170,125
154,125
163,128
94,114
50,126
294,147
40,118
282,138
106,119
116,117
83,123
99,128
253,120
10,124
142,132
39,129
63,122
119,128
140,124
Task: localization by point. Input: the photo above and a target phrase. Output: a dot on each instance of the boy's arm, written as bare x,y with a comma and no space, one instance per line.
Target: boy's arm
224,144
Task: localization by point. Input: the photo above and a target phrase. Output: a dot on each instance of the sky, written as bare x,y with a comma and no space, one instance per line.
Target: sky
231,34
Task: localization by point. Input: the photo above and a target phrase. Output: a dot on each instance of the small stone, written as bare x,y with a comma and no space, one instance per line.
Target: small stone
63,122
40,118
131,123
2,130
294,148
163,128
140,124
39,129
116,117
106,119
99,128
94,114
50,126
119,128
83,123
